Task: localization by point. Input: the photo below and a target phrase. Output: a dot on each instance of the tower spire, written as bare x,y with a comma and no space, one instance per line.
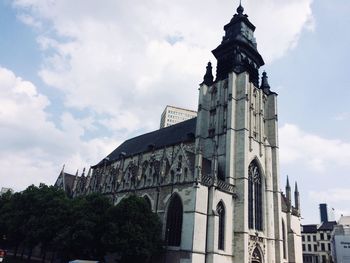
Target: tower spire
288,194
238,50
265,86
297,197
240,8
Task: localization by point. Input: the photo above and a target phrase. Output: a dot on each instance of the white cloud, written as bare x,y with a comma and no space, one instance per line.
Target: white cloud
121,57
29,20
331,195
121,61
342,116
313,151
337,199
32,148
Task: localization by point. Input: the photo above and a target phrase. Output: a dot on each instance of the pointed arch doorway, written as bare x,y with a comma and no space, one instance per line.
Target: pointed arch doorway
256,256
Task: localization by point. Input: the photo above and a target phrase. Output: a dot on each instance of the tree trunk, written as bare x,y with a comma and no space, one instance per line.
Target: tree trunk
53,256
44,256
30,254
15,252
22,254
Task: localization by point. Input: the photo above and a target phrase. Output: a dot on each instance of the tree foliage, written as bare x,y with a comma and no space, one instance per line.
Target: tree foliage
85,227
133,230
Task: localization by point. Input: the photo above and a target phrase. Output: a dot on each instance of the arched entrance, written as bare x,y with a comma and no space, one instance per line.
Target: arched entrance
256,256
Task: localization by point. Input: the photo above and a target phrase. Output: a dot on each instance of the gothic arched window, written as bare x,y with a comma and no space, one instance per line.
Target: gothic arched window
255,219
284,239
220,209
256,256
148,201
174,221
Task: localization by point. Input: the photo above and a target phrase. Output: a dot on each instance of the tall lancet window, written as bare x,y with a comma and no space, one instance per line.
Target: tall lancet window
220,209
255,219
284,240
174,222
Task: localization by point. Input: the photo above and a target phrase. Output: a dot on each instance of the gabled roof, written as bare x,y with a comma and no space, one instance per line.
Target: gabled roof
181,132
309,228
327,225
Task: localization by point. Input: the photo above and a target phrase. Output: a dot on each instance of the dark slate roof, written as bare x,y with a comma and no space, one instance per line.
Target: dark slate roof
182,132
327,225
309,228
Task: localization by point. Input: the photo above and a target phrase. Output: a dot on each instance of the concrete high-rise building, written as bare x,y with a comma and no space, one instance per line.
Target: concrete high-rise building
173,115
214,180
323,213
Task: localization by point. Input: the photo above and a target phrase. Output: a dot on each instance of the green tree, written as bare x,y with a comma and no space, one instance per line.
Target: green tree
12,219
134,231
52,215
5,202
82,236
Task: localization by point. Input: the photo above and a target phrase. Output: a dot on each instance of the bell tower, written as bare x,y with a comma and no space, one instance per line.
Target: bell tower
237,133
238,50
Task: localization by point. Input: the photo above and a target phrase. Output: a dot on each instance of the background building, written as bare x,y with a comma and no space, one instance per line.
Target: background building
341,241
316,239
326,214
172,115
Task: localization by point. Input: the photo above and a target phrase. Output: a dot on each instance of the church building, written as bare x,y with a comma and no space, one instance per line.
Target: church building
214,180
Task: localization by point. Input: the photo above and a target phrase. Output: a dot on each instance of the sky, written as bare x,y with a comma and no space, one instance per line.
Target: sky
77,78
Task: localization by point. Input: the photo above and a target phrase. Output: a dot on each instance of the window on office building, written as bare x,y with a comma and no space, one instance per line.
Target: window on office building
322,247
308,238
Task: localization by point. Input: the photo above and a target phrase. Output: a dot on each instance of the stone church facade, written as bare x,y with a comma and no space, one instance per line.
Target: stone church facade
213,180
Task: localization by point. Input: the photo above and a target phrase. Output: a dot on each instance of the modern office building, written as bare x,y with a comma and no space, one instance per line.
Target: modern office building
173,115
341,241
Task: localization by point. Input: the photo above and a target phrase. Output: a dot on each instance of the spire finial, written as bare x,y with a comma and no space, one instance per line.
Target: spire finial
240,8
208,77
264,82
287,186
62,171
